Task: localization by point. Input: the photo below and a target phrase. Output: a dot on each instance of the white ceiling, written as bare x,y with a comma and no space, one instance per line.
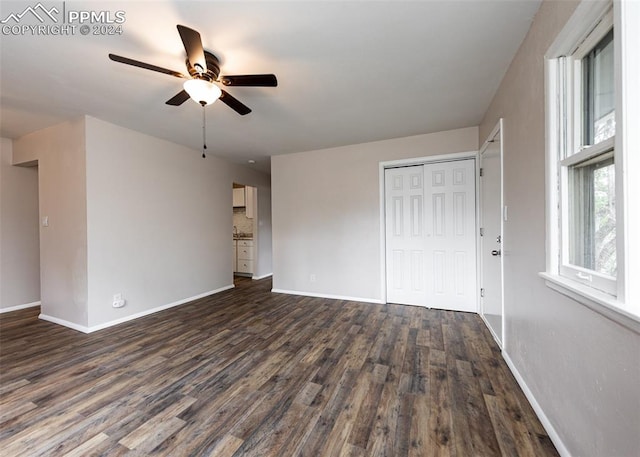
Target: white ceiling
348,72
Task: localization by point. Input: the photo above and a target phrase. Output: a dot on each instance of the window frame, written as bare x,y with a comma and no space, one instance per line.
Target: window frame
576,39
570,151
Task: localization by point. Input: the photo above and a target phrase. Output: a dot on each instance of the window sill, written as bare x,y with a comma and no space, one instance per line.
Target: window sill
604,304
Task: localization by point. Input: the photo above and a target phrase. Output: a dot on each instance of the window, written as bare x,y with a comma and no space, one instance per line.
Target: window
592,142
587,161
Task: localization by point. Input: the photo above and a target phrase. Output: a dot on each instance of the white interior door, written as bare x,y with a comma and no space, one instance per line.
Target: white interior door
431,235
450,194
404,208
491,240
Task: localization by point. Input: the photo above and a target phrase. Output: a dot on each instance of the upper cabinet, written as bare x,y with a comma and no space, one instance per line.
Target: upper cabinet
244,197
239,199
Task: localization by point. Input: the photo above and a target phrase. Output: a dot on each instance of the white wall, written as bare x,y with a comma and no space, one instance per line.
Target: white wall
131,214
326,212
159,221
19,236
60,154
582,369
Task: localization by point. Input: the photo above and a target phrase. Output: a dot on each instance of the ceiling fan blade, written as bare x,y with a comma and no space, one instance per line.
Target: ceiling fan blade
178,99
250,80
193,45
234,103
147,66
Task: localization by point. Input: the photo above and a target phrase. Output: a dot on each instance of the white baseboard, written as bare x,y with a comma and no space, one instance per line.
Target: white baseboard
131,317
493,334
19,307
544,420
262,276
64,323
330,296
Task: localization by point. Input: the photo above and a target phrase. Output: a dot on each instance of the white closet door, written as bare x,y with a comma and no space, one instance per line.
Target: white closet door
450,197
430,235
405,252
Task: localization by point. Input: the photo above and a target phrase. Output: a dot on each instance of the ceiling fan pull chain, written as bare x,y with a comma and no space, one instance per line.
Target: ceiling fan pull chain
204,131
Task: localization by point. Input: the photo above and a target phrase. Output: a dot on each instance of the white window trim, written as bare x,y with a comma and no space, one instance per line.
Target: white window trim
624,308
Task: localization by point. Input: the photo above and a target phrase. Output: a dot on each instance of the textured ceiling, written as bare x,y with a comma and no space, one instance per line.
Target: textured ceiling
348,72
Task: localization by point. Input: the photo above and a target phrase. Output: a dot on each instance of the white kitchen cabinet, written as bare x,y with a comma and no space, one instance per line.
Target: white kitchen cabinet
244,256
239,199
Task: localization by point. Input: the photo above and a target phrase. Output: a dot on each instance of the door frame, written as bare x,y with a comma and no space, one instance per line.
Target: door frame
500,340
382,166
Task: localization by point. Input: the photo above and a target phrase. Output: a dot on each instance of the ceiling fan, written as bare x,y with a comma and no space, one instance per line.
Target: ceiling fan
204,74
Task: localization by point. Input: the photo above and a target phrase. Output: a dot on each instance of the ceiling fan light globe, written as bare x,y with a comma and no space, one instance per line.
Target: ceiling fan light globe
202,91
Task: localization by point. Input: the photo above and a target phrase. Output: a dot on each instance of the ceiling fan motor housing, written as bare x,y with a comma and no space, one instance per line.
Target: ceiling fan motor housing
213,68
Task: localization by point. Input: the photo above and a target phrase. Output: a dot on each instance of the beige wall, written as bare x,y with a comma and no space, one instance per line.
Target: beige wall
582,368
60,154
19,237
160,221
132,214
326,212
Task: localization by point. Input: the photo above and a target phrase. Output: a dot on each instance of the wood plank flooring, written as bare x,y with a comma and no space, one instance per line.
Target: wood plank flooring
251,373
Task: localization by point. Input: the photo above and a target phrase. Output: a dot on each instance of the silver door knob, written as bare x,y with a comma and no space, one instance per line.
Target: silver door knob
496,252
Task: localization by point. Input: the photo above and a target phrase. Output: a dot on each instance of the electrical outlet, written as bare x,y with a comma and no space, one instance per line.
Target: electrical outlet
312,278
118,302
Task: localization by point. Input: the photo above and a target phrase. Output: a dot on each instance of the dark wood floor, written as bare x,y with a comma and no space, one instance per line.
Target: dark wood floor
251,373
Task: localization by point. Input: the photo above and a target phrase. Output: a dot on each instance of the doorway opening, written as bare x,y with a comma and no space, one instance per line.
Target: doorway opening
244,230
20,263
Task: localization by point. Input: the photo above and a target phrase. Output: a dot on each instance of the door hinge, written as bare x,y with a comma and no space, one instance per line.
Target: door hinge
481,293
481,172
481,231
